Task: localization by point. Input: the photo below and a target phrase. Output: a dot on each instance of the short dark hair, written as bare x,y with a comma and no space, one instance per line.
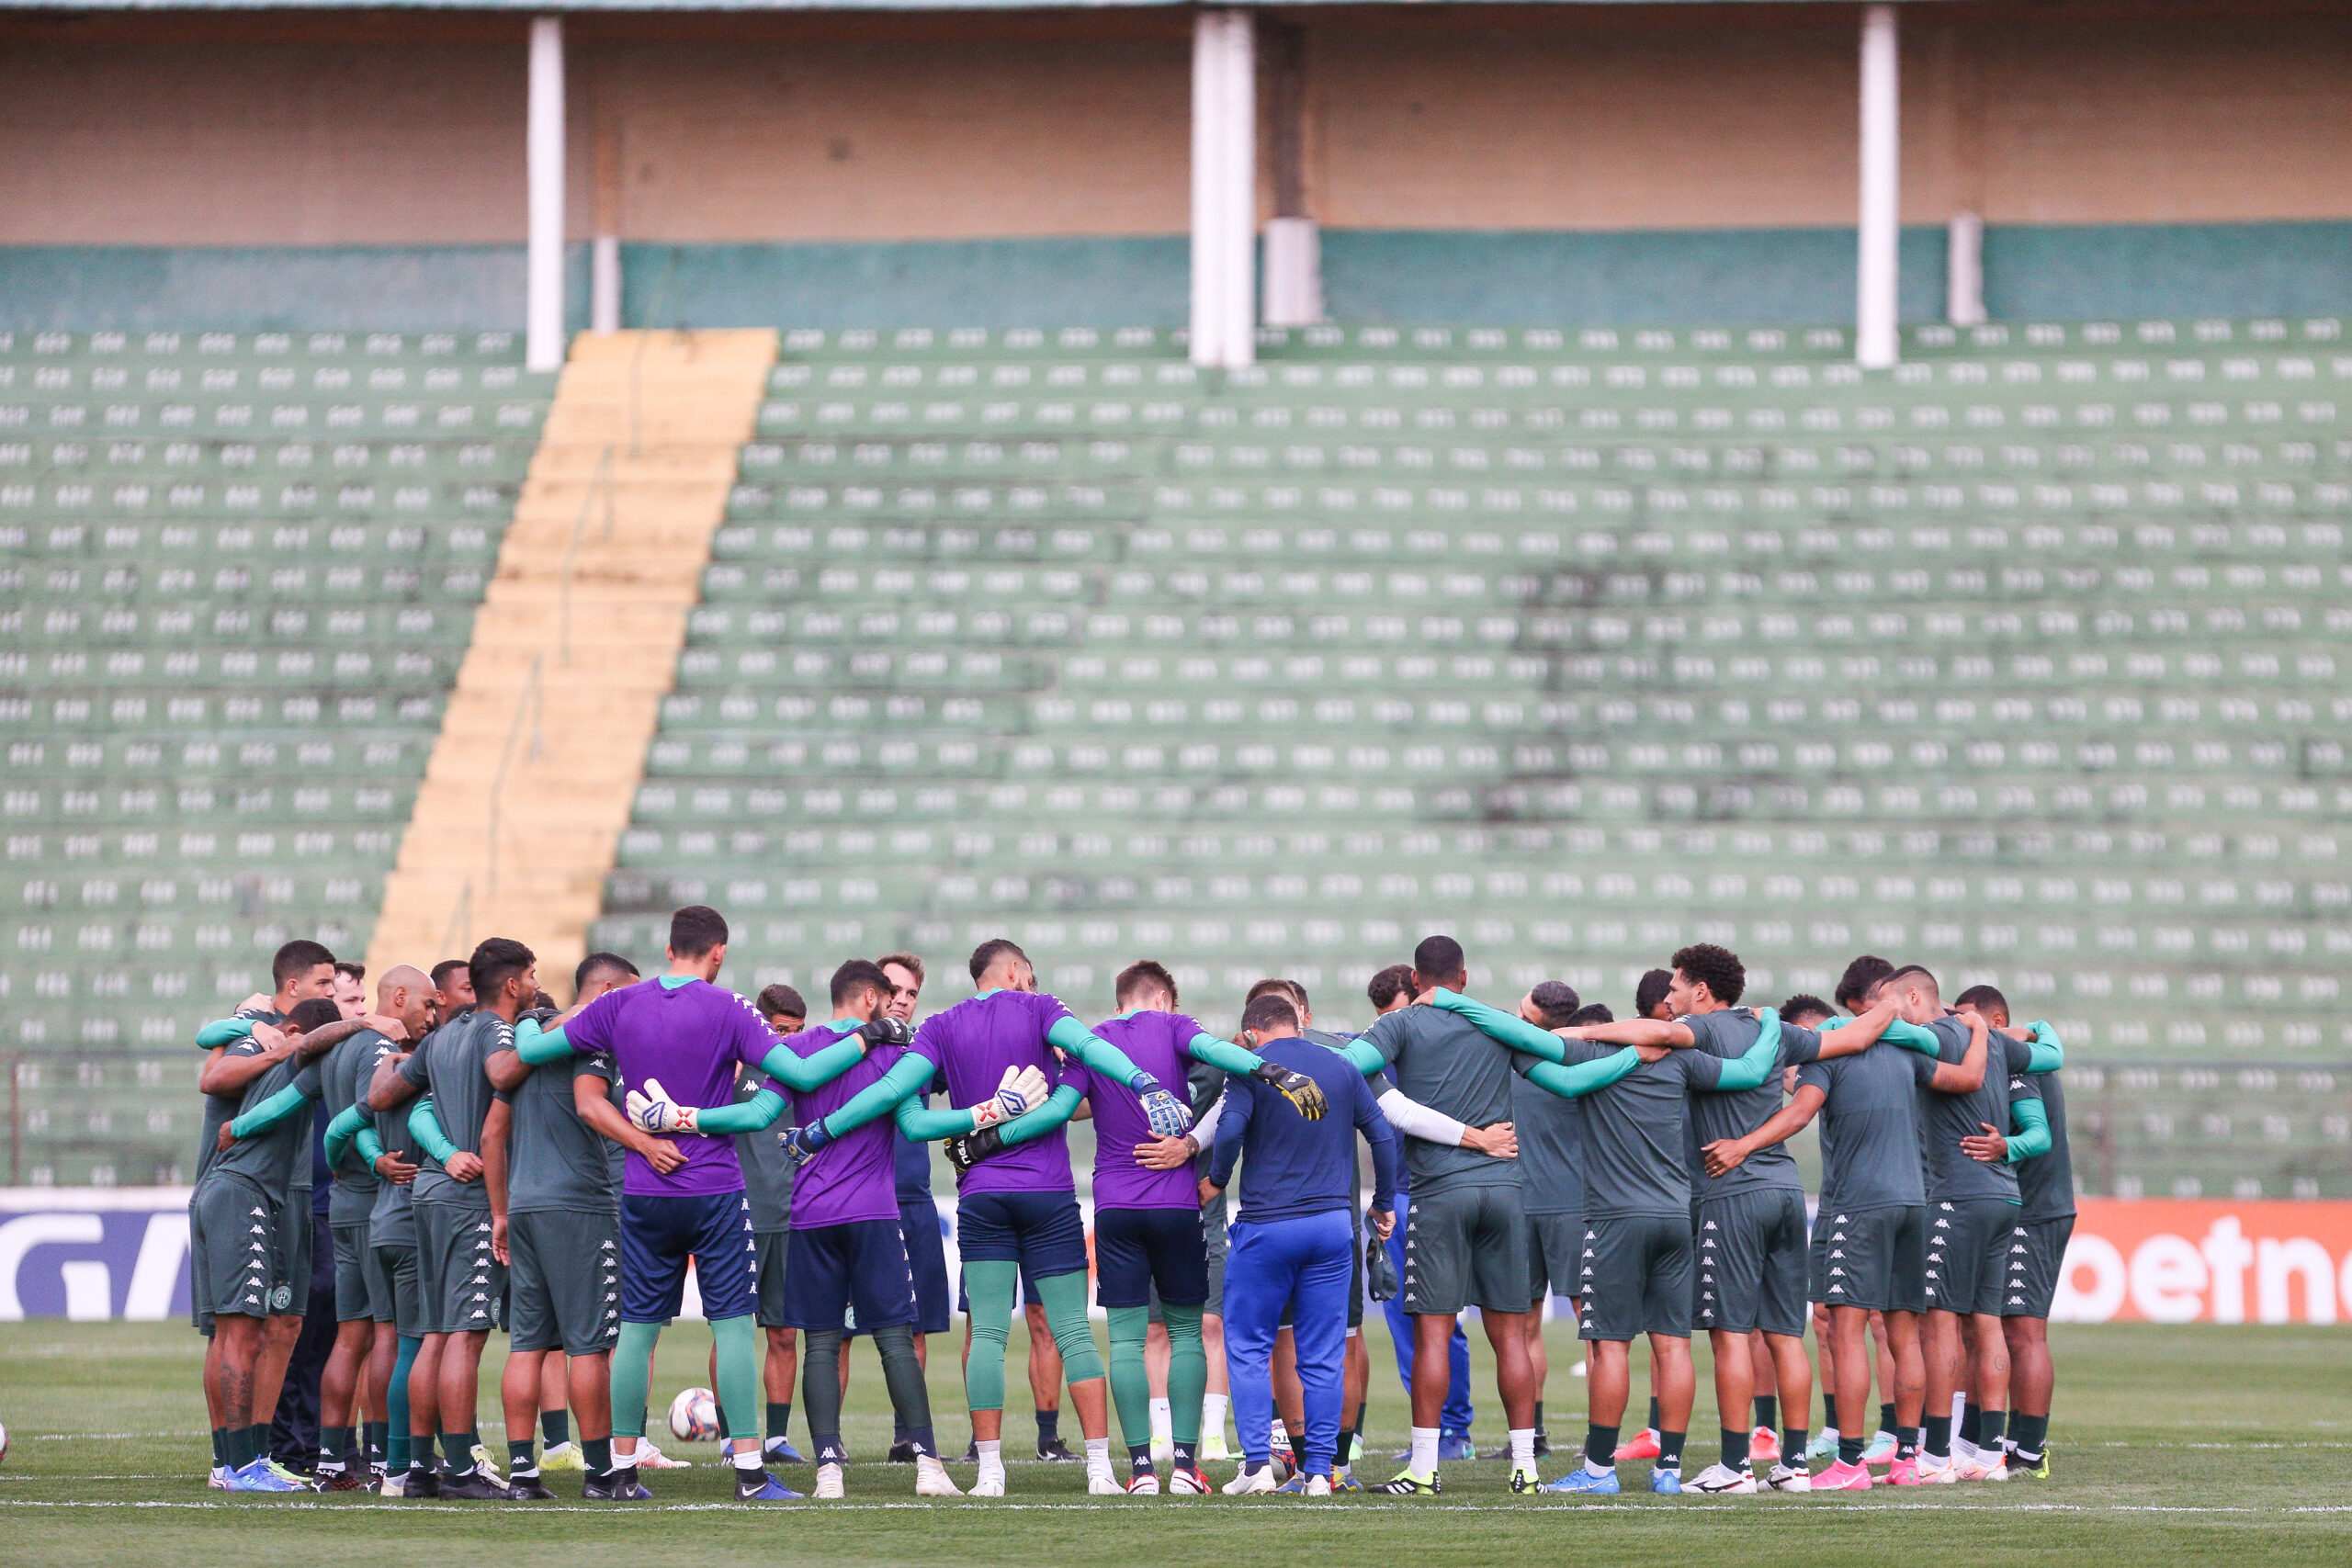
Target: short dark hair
858,974
1557,1000
985,956
314,1012
1854,985
1270,986
596,965
1437,957
1597,1013
1907,970
695,930
906,961
1389,984
1984,999
1144,974
1650,990
442,971
782,1001
357,971
1272,1010
297,959
1718,968
1803,1006
498,960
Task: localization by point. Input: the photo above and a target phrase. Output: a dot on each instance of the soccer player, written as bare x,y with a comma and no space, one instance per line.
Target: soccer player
237,1236
555,1225
847,1254
767,1186
1017,1204
1634,1265
453,977
1650,994
459,1277
1294,1237
2037,1252
683,1029
1549,1132
359,1369
1972,1208
350,994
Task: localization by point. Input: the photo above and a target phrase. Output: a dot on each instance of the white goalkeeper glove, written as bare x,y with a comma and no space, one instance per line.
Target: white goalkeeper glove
1020,1088
655,1111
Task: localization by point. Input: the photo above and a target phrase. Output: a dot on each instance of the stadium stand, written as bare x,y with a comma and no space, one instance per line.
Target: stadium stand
240,570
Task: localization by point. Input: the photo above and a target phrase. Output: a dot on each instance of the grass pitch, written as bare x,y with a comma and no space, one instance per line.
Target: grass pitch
2170,1444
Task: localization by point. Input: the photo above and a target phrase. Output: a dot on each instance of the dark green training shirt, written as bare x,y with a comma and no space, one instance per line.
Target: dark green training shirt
1727,1034
346,1072
220,1108
1445,1062
1870,1128
767,1171
1635,1158
450,1066
555,1161
1945,1119
270,1157
2046,1182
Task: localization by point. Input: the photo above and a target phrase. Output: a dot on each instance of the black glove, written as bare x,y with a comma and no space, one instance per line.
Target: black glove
540,1016
1379,1268
1304,1093
886,1030
968,1149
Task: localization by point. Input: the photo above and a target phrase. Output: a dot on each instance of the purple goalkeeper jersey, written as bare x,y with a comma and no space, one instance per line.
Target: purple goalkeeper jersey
854,1176
975,1040
689,1038
1154,1042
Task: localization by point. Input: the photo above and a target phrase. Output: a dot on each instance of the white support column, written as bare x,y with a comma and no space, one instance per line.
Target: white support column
1225,189
604,284
1964,271
543,265
1875,344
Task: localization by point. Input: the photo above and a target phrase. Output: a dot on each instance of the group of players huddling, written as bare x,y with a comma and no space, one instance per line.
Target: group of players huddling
499,1164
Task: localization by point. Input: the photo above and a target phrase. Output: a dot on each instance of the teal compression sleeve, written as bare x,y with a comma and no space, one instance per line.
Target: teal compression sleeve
1224,1054
349,1124
425,1128
2048,1051
909,1075
1571,1081
805,1072
269,1112
1060,1107
925,1122
370,1147
1753,1067
1094,1052
1912,1037
2029,1131
224,1032
549,1045
753,1115
1508,1028
1364,1059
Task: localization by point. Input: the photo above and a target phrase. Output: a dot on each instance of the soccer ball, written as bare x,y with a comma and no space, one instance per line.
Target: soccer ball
694,1415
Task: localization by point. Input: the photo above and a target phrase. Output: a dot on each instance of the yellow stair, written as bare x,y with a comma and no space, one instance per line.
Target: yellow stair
543,745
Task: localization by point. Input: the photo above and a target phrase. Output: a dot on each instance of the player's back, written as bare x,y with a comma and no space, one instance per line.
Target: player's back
451,1067
1445,1062
1870,1128
975,1041
1634,1159
1728,1034
1946,1118
220,1108
268,1158
2046,1182
555,1161
344,1076
1298,1166
689,1038
1155,1042
854,1176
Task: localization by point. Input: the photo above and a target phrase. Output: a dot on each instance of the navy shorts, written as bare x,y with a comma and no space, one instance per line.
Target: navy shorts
926,1240
853,1273
1040,1231
660,1232
1136,1250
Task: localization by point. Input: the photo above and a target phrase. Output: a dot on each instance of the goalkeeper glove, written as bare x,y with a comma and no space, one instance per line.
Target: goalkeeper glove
801,1143
968,1149
1304,1093
1170,1117
1379,1268
1020,1088
886,1030
654,1112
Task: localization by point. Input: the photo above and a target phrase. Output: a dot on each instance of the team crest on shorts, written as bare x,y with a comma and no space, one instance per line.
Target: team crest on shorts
280,1297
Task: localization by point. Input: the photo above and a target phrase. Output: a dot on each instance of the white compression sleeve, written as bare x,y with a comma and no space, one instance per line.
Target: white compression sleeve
1203,1131
1415,1119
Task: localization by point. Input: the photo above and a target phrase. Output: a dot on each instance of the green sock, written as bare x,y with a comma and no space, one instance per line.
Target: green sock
821,1391
420,1451
736,1341
779,1420
457,1453
632,1370
1653,1415
1768,1410
1940,1436
598,1454
1670,1450
992,1286
1130,1386
1971,1422
1539,1414
555,1427
220,1446
338,1443
372,1436
1735,1449
1188,1372
257,1440
519,1457
1990,1429
1793,1440
1064,1296
2028,1433
1885,1418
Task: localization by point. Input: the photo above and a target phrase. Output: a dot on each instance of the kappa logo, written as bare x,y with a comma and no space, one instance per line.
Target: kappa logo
604,1246
484,1227
1589,1252
1837,1290
479,1297
1836,1252
1709,1225
253,1299
1837,1273
1945,1207
2017,1301
258,1213
1839,1221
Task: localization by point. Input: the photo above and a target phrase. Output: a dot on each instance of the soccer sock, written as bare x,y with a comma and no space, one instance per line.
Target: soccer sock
520,1460
993,1452
779,1421
1971,1425
1539,1414
1906,1442
1885,1418
1991,1425
372,1439
1735,1449
1670,1450
1768,1411
1653,1415
1849,1449
1345,1457
1522,1447
1130,1383
2027,1434
1188,1374
1600,1449
233,1447
555,1427
456,1454
820,1393
1187,1458
420,1453
1213,1408
737,1341
992,1285
220,1446
632,1370
1940,1437
597,1453
1064,1296
342,1444
894,1345
397,1446
1793,1446
1424,1461
1829,1422
1163,1421
1098,1455
1049,1427
257,1439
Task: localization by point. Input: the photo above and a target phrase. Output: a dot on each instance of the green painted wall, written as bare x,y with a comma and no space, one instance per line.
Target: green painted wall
1763,275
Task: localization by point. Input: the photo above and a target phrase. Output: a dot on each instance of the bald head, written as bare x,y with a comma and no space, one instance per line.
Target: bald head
407,993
